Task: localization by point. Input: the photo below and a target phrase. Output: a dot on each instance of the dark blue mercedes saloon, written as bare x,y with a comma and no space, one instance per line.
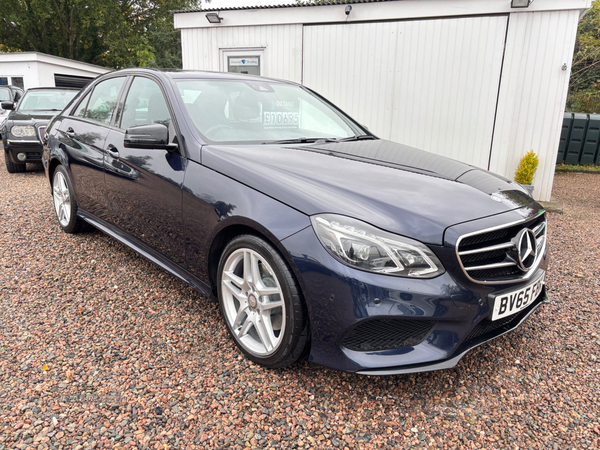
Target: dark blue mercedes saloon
317,238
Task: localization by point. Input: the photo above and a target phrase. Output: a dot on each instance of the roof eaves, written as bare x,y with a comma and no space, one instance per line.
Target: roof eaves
294,5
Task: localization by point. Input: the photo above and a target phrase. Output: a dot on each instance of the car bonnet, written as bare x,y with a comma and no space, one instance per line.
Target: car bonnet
394,187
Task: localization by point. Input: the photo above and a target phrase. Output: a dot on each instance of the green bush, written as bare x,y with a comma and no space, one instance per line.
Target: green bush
584,102
527,167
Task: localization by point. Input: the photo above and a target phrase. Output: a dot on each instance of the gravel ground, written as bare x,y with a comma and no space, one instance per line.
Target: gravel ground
100,348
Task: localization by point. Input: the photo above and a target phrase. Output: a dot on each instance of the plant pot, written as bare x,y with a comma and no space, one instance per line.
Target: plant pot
529,188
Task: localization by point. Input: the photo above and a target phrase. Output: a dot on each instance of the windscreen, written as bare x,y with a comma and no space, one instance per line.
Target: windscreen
4,95
231,111
54,100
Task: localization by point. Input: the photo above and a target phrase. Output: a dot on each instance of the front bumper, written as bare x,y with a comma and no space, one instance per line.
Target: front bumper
31,148
484,332
446,316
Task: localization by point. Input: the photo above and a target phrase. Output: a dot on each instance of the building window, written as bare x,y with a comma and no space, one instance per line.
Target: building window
14,81
18,82
243,60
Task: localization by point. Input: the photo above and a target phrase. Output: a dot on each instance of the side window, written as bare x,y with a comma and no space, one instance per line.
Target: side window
104,100
145,104
80,110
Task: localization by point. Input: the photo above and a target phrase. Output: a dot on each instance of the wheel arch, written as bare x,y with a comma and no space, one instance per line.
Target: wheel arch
57,158
52,165
236,226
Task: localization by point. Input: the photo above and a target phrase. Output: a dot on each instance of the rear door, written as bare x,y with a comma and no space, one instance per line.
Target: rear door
143,186
83,134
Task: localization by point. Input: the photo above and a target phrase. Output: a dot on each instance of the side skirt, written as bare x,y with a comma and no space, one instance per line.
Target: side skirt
149,253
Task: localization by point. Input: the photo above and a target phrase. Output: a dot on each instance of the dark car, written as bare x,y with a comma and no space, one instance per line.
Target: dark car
8,94
317,238
23,129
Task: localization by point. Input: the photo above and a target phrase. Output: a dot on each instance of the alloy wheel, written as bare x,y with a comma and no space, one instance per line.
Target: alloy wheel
62,199
253,302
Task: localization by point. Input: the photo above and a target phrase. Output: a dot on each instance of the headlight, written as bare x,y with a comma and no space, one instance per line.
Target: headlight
362,246
22,131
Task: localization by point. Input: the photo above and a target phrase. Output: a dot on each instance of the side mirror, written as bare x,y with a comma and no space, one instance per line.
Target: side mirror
8,105
153,136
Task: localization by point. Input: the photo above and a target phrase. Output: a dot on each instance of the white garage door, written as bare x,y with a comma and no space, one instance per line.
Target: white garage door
431,84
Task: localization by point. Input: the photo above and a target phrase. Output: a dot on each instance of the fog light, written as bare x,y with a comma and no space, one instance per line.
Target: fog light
21,156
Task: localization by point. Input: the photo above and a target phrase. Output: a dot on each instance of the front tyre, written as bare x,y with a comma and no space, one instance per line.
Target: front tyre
65,204
261,303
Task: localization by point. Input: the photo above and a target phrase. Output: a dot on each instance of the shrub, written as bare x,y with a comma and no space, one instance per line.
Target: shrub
527,167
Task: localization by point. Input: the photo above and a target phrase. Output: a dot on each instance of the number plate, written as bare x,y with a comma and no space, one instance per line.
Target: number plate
281,119
512,302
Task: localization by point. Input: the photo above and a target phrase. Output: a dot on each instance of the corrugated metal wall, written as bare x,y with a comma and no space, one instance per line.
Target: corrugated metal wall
439,84
431,84
282,48
533,92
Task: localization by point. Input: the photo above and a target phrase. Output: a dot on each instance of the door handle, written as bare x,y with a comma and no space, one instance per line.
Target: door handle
112,151
70,132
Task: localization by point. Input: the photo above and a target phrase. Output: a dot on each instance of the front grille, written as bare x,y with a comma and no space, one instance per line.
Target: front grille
474,257
490,256
387,334
484,237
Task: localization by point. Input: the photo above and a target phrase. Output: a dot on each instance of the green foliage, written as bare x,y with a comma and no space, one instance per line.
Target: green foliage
169,41
526,169
584,84
577,168
111,33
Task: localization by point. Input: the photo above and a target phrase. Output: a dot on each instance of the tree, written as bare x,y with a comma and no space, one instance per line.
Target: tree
112,33
584,84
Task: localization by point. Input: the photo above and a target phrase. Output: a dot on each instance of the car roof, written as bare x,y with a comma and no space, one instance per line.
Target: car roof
52,89
10,87
176,74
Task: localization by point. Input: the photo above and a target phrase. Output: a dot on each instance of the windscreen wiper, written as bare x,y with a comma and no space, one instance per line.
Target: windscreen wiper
302,140
362,137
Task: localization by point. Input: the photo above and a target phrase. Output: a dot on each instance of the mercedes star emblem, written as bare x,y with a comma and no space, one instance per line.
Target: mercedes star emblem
526,249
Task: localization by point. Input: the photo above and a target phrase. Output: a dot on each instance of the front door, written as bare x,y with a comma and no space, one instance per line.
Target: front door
144,186
83,133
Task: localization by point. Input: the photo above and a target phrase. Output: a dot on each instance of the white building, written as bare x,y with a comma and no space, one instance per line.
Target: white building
33,69
480,81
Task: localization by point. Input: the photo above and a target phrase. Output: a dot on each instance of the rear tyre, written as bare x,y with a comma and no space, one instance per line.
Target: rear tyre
11,167
65,204
261,303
